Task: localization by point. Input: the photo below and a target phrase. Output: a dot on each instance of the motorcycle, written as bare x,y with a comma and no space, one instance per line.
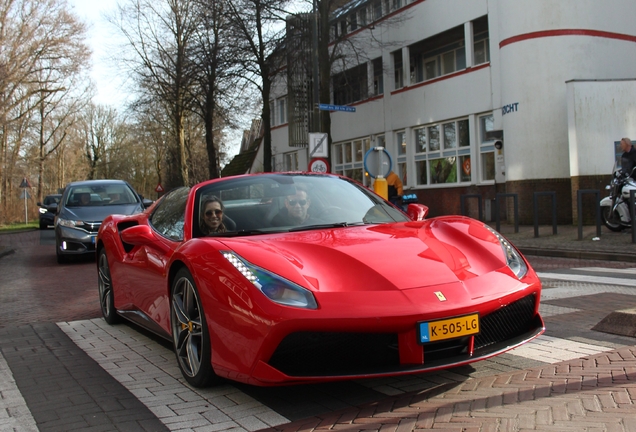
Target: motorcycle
615,207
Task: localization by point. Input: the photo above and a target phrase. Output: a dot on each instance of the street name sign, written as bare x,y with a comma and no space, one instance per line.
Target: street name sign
327,107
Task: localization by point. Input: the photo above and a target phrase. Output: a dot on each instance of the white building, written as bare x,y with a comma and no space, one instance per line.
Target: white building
554,79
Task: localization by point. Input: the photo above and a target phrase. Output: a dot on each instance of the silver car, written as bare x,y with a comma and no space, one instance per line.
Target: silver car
83,207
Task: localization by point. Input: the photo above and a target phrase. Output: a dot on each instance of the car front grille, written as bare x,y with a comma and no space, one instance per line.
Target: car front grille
91,227
341,354
506,322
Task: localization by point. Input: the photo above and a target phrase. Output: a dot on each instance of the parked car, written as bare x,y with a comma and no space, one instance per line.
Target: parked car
48,207
349,287
83,207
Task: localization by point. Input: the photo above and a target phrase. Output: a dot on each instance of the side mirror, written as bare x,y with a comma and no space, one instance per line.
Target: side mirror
417,212
138,235
146,202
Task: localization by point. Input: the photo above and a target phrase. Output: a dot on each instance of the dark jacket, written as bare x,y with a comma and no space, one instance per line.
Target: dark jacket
628,162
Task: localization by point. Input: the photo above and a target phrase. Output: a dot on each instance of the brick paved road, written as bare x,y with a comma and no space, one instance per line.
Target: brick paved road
593,394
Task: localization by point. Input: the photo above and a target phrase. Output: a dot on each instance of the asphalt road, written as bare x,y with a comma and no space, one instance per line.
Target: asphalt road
37,293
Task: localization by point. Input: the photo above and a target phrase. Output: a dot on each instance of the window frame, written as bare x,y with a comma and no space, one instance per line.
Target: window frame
486,149
447,152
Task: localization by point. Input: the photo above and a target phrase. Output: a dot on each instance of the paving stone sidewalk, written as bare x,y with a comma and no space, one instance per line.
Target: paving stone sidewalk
609,246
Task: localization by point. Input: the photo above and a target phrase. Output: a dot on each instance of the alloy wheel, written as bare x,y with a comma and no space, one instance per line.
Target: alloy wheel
187,327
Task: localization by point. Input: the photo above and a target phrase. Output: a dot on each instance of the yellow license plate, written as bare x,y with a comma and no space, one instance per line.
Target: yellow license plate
448,328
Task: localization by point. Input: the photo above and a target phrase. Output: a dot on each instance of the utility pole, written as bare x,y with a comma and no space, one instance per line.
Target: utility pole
315,77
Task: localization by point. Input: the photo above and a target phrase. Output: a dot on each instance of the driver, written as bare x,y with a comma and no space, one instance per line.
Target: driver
295,211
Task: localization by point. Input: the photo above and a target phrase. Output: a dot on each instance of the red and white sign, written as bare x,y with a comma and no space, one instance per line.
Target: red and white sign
159,188
318,165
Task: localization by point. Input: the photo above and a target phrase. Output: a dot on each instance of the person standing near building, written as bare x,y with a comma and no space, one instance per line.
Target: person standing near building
628,158
396,189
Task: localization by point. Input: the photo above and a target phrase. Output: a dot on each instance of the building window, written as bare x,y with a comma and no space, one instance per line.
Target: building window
401,172
377,10
353,21
482,51
362,16
291,161
351,85
358,153
442,153
272,113
400,140
481,41
397,67
438,55
348,158
487,148
282,110
378,77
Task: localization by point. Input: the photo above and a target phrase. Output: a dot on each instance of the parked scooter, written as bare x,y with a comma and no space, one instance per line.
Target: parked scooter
615,207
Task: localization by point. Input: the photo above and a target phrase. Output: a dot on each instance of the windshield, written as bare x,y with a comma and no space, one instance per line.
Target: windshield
268,203
52,199
100,195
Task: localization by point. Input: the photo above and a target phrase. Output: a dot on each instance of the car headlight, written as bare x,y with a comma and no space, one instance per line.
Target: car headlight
513,258
42,210
274,287
69,223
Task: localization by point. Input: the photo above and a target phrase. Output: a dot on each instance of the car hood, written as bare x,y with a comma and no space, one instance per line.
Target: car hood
98,213
379,257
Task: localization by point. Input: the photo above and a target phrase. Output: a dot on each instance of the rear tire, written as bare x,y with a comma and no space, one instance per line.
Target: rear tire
106,292
611,221
190,332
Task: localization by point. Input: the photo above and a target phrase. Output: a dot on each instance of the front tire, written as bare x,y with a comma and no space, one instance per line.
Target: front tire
190,332
611,221
105,285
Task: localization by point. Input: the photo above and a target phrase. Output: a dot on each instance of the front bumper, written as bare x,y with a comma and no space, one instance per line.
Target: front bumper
47,218
315,356
71,241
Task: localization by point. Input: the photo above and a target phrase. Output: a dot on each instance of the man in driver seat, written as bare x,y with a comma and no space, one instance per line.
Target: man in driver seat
295,211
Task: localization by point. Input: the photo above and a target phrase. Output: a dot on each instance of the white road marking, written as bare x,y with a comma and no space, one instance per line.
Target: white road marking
588,278
150,372
554,350
14,412
628,271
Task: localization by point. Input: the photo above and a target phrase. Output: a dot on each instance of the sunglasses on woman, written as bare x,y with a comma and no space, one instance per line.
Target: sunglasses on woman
216,212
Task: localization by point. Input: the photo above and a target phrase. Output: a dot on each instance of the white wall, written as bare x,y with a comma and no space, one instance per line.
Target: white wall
533,73
599,113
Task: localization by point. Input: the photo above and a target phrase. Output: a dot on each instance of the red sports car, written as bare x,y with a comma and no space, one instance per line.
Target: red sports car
285,278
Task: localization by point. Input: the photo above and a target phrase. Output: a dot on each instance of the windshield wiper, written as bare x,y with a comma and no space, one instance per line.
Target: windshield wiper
243,233
324,226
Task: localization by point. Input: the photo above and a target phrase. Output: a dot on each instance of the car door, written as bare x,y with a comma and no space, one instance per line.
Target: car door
147,266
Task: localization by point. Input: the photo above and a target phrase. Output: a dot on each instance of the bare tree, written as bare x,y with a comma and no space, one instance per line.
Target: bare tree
159,33
218,81
38,39
260,32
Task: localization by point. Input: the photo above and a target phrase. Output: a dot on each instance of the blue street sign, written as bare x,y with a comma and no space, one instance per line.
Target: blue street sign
327,107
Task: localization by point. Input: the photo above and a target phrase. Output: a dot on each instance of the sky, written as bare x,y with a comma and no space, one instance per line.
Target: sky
107,79
102,39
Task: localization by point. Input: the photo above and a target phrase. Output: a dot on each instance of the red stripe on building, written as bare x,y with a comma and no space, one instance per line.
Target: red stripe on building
566,32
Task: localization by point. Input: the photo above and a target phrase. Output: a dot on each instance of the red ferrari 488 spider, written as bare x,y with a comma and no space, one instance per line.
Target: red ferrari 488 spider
273,279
